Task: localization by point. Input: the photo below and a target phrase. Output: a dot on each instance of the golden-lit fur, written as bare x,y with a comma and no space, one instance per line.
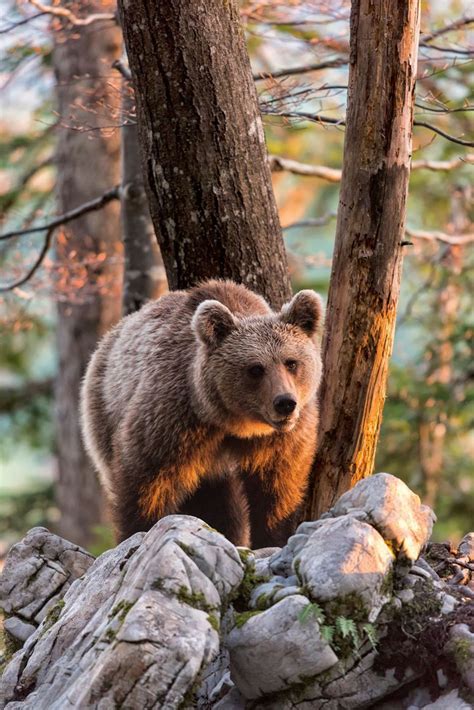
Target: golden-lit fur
179,410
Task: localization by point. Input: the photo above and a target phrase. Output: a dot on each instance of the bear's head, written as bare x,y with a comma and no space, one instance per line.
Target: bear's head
257,373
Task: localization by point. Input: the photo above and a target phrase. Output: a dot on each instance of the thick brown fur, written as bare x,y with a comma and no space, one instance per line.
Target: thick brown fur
179,413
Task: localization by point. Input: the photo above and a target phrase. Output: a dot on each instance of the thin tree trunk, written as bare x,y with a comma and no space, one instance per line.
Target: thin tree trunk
203,147
434,422
366,270
88,296
144,275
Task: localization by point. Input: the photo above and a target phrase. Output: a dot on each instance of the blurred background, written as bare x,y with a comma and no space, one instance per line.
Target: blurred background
64,112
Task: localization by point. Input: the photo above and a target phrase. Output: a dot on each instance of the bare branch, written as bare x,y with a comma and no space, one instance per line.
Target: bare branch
452,239
278,164
314,222
443,165
39,260
20,23
457,25
96,204
330,64
70,16
448,136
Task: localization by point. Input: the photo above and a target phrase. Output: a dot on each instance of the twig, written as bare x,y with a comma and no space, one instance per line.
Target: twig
330,64
448,137
96,204
456,25
22,22
44,249
315,222
70,16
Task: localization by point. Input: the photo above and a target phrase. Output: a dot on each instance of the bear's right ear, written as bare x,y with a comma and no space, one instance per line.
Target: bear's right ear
212,322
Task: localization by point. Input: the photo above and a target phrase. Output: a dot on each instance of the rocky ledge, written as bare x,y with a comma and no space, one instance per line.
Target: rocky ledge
346,615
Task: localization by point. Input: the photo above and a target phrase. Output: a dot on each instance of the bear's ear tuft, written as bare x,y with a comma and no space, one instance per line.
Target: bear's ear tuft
304,310
212,322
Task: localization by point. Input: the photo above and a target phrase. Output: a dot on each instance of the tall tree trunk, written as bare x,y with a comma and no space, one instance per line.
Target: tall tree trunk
144,275
88,297
203,147
434,421
365,279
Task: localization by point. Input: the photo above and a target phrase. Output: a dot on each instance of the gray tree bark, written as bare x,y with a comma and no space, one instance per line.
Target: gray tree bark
144,275
203,147
365,278
88,296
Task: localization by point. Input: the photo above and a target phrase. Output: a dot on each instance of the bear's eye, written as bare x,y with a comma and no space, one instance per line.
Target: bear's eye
291,365
256,371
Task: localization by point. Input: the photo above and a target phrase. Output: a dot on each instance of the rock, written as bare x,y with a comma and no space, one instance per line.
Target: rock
345,558
18,630
38,568
275,649
461,647
382,498
448,701
137,630
466,546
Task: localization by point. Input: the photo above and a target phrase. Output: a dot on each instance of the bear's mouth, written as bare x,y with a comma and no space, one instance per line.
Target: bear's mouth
285,424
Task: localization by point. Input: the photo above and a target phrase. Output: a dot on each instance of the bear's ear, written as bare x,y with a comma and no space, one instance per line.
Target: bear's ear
304,310
212,322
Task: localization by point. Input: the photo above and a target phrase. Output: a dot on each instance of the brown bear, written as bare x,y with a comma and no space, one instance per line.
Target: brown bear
204,402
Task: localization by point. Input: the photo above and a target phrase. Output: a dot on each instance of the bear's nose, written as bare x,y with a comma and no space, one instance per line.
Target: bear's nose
284,404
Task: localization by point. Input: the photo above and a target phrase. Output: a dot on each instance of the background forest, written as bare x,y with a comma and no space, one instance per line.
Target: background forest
65,108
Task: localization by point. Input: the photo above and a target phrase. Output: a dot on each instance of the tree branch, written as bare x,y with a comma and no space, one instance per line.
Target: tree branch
456,25
70,16
452,239
96,204
278,163
330,64
44,249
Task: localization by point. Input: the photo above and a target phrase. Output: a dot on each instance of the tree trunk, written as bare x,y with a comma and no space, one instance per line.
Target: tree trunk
144,275
203,147
88,258
365,278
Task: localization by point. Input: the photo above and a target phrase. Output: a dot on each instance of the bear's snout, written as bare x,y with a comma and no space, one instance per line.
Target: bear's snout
284,404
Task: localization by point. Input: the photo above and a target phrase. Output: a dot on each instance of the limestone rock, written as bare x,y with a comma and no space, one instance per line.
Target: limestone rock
128,621
345,558
393,509
275,649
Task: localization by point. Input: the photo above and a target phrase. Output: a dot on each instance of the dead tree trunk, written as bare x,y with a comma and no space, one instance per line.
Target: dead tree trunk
366,270
87,254
203,147
144,275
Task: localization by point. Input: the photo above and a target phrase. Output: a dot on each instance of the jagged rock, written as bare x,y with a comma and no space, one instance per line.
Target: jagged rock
393,509
38,571
346,558
138,628
274,649
18,630
466,546
148,610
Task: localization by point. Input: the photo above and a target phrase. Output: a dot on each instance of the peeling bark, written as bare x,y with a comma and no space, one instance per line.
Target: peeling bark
366,271
203,147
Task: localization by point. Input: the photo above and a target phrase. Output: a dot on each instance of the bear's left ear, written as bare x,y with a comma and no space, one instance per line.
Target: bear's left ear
212,322
304,310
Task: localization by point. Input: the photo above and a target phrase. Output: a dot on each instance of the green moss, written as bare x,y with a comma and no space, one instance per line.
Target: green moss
250,580
8,647
121,610
157,585
53,614
195,599
461,651
110,634
214,622
186,548
350,606
243,617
